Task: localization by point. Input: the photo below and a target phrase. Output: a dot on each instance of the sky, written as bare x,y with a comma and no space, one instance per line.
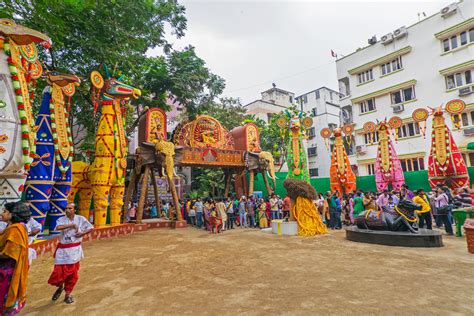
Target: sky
252,44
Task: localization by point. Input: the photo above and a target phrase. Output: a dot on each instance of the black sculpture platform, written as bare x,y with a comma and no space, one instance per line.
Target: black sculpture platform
425,237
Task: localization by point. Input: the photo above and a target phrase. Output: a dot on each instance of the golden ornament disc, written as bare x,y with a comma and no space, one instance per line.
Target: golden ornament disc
325,132
369,127
69,89
123,163
420,115
348,129
36,70
97,80
296,171
29,52
307,122
455,106
281,122
395,122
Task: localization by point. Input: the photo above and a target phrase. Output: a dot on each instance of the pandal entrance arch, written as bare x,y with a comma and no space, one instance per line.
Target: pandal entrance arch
202,143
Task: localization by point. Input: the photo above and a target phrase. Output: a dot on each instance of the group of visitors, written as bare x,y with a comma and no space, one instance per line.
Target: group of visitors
435,206
229,213
18,231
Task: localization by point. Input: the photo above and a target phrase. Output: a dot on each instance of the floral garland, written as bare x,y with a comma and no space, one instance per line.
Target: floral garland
411,220
25,128
57,154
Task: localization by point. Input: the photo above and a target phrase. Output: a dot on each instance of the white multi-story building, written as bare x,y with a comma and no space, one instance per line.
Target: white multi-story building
323,105
424,65
273,101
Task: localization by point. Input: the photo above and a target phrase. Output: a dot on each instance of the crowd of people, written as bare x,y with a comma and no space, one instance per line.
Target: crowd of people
436,206
222,214
336,209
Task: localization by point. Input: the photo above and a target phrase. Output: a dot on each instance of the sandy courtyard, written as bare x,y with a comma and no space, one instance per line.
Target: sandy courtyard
249,272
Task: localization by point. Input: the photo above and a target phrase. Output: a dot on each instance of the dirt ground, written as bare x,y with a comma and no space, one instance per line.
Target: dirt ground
187,271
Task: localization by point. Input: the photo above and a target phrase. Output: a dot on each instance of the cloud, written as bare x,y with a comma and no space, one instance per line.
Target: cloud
254,43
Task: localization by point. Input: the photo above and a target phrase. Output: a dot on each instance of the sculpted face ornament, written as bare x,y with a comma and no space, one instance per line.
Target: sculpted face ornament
22,35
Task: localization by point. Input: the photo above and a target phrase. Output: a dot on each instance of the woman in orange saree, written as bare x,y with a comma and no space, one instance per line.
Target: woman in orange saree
14,258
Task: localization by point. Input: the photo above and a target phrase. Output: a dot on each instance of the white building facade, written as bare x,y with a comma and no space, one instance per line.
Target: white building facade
323,105
423,65
273,101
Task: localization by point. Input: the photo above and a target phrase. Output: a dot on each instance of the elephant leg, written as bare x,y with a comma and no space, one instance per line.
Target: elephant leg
116,203
38,195
85,198
101,202
59,202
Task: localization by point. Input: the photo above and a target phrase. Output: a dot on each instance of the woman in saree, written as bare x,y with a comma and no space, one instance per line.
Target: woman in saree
358,205
262,214
14,258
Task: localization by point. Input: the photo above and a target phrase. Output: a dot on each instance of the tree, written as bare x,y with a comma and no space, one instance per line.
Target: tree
183,76
87,34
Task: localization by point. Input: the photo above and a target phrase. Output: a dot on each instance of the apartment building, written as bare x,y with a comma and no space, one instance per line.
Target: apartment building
273,101
323,105
423,65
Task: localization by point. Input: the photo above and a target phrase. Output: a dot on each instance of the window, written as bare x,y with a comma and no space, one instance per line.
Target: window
413,164
403,95
392,66
304,99
364,76
408,130
317,94
314,111
446,45
332,126
314,172
450,82
312,132
291,99
463,38
454,42
467,76
371,169
371,138
458,79
367,105
467,119
464,119
312,151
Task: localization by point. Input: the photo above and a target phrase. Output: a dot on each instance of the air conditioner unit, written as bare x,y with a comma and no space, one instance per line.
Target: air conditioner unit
465,91
400,32
361,149
468,131
387,38
450,9
398,108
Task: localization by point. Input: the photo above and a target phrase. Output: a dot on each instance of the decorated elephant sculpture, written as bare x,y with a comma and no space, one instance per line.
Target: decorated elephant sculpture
401,218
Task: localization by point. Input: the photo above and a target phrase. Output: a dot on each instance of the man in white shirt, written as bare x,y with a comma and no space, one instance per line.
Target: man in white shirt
68,252
33,228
